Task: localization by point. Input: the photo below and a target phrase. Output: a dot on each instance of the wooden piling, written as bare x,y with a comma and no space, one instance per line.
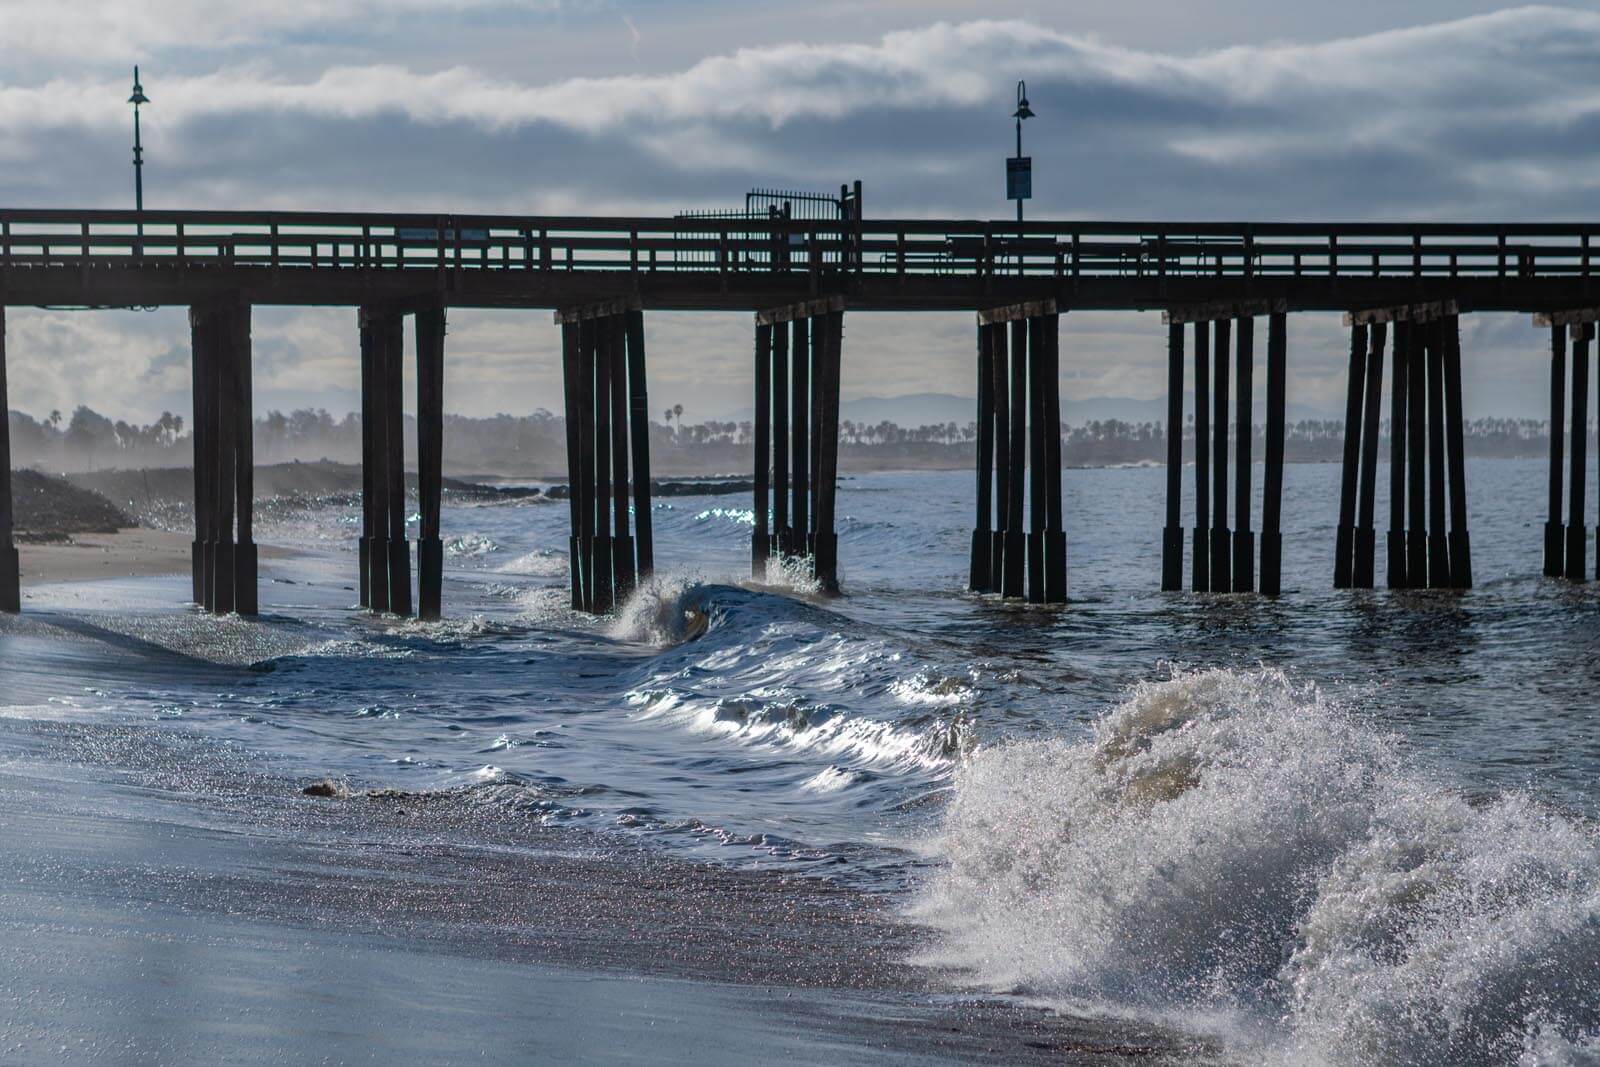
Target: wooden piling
1016,539
1577,530
1398,576
604,490
10,572
586,463
199,343
760,538
1201,565
1001,393
1555,531
801,359
246,563
430,327
374,457
395,464
1438,537
1363,569
1036,464
782,534
221,461
819,351
1172,533
1055,534
1417,453
1355,391
1460,540
1272,490
1244,538
826,471
979,569
1221,535
571,375
639,410
622,569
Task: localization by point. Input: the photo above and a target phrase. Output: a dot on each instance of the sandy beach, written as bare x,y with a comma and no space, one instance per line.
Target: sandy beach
154,915
138,552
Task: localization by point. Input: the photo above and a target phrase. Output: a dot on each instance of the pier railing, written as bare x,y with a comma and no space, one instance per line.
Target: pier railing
885,247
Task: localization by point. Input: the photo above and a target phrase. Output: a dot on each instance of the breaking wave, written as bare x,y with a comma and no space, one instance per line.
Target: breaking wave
1231,851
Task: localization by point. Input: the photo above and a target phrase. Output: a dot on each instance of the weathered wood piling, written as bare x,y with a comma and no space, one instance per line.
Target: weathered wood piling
1223,557
223,554
799,349
385,551
10,568
1566,544
607,415
1019,456
1428,544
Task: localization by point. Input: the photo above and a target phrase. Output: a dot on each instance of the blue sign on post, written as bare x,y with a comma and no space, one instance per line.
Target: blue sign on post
1019,178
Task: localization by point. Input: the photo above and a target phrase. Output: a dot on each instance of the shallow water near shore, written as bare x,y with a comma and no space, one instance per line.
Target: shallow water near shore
1327,827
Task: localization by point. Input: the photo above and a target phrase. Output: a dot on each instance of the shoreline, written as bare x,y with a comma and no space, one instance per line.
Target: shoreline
232,890
137,552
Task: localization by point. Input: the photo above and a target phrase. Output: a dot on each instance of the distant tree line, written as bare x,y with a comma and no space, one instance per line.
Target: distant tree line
534,445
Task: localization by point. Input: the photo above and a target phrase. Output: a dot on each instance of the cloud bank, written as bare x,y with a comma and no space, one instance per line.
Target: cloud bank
1492,116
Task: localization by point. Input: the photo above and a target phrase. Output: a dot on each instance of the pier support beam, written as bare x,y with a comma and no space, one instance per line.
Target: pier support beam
1019,441
1355,393
1398,576
430,327
1439,571
761,537
981,568
1221,543
1555,531
1417,453
1172,533
381,336
10,571
1426,448
607,415
1455,432
1577,552
1244,538
801,365
1363,568
1272,490
1200,565
224,562
1224,557
385,551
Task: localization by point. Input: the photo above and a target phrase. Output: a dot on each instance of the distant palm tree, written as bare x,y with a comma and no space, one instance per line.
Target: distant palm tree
677,411
667,416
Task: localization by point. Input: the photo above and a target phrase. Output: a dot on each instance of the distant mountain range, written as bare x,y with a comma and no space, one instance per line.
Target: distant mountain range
925,409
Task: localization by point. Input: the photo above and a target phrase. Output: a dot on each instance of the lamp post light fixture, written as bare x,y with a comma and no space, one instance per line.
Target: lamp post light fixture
1019,168
136,99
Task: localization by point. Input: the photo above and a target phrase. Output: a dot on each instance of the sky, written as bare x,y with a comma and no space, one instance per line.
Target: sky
1235,110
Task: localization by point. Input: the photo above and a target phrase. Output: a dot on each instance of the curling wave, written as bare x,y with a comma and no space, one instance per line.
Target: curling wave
1230,850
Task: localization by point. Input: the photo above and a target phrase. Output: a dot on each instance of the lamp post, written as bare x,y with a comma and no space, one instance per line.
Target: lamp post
136,99
1019,168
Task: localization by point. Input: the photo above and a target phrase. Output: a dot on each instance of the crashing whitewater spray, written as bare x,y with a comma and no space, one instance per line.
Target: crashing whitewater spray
1230,850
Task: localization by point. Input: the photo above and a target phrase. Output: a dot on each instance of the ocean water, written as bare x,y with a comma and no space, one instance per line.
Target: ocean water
1332,827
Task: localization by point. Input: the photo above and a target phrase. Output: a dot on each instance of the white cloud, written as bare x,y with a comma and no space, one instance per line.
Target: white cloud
1490,116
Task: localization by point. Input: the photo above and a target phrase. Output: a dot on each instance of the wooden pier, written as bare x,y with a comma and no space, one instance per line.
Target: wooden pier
1402,287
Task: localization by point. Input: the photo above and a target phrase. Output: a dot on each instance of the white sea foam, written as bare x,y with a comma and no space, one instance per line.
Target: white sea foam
1230,850
470,546
540,563
664,610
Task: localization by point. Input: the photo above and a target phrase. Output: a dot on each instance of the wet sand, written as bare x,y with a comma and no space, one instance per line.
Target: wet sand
139,552
166,900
